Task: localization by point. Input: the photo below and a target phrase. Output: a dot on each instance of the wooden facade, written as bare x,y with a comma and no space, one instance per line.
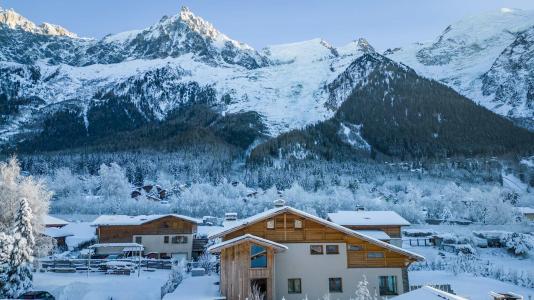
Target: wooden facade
237,276
165,225
315,232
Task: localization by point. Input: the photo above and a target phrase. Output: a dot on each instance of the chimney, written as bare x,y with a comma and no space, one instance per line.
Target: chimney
279,202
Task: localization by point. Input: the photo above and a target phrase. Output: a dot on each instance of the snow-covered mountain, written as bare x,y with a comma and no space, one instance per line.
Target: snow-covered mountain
162,67
486,57
181,81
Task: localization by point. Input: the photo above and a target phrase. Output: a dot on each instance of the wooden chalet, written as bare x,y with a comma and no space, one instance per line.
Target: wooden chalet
291,254
162,236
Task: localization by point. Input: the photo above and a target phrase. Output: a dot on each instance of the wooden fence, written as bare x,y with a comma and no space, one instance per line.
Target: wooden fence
85,264
426,242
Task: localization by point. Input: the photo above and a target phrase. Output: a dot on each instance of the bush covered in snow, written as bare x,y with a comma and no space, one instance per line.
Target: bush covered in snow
518,243
176,276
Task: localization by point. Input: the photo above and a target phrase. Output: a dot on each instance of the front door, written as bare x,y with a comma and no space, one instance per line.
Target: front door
259,289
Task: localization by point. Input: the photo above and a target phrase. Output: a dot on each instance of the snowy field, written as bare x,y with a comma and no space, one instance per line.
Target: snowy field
80,286
473,288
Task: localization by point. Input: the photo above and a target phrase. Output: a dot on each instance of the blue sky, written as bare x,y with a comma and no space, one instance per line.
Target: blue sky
385,23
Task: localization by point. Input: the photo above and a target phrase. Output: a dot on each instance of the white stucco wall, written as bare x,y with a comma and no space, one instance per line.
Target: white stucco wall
314,271
154,243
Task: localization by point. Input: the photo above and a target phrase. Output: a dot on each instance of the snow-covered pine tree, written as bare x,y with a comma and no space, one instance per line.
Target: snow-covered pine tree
6,246
19,275
362,291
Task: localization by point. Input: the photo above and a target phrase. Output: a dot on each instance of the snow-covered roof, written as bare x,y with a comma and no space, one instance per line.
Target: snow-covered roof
135,220
377,234
125,245
428,293
247,237
49,221
278,210
526,210
56,232
367,218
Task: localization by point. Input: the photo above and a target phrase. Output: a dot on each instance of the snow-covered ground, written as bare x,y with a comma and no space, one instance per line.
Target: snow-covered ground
197,288
473,288
80,286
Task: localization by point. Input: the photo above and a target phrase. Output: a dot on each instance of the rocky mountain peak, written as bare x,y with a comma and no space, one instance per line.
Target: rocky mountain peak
13,20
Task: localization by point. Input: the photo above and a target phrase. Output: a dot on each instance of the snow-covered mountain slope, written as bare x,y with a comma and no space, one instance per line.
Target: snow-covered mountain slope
470,56
179,60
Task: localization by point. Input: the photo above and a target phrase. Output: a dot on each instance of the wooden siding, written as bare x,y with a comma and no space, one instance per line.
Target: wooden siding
314,232
392,231
124,233
236,273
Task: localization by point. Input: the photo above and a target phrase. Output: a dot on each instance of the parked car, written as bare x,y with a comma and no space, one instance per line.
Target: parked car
43,295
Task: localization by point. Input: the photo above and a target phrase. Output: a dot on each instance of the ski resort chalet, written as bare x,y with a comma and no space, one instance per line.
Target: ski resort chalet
287,253
162,236
383,225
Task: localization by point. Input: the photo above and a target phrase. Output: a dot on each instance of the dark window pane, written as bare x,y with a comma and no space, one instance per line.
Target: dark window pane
332,249
294,286
258,256
355,248
387,285
334,285
316,249
375,254
166,239
138,239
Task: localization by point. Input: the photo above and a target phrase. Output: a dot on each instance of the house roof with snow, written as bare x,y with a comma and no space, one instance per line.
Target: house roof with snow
377,234
246,238
114,220
428,293
50,221
54,232
367,218
525,210
279,210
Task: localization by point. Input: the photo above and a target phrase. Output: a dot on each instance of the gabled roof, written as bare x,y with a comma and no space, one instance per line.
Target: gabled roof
525,210
49,220
135,220
428,293
367,218
246,238
56,232
279,210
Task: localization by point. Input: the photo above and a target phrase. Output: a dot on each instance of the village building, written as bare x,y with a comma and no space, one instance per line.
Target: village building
162,236
383,225
49,221
287,253
54,228
527,213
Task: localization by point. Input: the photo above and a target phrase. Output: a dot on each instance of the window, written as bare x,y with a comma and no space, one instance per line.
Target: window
298,224
139,239
375,254
166,239
387,285
316,249
270,224
164,225
335,285
294,286
355,248
258,256
178,239
332,249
